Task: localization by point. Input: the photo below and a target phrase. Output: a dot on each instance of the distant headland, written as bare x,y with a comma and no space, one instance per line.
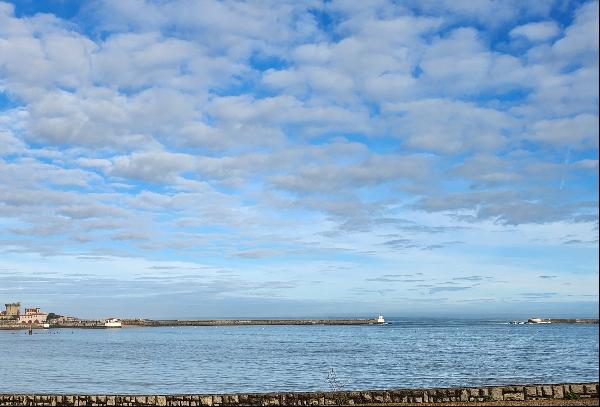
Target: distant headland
35,318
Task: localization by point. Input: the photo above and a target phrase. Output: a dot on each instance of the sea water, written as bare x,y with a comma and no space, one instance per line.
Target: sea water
405,353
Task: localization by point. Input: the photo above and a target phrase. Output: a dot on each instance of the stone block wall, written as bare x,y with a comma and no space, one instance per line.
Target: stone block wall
397,396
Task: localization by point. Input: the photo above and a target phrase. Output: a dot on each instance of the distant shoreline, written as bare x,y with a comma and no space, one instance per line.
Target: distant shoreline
150,323
154,323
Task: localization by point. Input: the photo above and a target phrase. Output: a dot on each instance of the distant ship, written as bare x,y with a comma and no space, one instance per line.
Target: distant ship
112,323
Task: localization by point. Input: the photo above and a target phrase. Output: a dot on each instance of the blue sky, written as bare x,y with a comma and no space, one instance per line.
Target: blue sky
214,159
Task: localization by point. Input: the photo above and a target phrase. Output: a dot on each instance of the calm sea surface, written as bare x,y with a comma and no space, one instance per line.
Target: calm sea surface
406,353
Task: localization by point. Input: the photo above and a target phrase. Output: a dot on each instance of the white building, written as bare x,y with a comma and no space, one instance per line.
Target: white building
33,316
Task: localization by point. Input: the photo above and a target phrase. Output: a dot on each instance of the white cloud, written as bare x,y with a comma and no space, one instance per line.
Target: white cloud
538,31
494,13
461,63
152,166
579,132
9,144
448,126
294,131
581,38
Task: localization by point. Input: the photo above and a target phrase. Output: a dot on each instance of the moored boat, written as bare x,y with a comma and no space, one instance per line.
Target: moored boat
112,323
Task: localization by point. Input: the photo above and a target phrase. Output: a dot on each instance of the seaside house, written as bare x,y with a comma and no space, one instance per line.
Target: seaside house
33,316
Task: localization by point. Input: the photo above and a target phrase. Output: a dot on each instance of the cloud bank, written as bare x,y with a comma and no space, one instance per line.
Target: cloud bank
308,149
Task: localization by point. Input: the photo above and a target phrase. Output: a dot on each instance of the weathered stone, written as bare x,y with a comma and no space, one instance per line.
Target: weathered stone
496,393
514,396
206,400
557,392
577,388
270,401
416,396
531,391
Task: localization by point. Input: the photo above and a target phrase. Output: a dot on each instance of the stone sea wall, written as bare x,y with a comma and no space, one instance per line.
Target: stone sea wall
398,396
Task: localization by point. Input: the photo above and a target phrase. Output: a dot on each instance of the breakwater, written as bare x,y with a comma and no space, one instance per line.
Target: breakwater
90,324
229,322
562,321
499,394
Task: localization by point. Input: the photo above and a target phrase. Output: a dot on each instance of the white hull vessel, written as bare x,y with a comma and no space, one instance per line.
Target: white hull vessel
112,323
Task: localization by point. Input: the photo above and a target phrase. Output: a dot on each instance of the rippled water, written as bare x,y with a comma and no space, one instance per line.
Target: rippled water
406,353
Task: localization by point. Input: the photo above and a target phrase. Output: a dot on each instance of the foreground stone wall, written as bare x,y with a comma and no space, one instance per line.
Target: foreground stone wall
409,396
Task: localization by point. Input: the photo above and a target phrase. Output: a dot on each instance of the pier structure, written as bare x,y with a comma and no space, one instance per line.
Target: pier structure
562,321
117,323
231,322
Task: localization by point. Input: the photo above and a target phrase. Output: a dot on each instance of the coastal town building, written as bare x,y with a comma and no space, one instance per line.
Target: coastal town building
12,311
33,316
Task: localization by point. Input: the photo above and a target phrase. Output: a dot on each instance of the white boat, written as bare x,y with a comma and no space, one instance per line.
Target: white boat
380,319
46,325
112,323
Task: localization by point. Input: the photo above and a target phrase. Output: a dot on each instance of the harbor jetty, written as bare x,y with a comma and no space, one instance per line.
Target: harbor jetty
34,318
150,323
562,321
233,322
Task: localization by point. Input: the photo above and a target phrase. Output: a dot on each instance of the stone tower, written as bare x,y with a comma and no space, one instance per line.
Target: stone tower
13,310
